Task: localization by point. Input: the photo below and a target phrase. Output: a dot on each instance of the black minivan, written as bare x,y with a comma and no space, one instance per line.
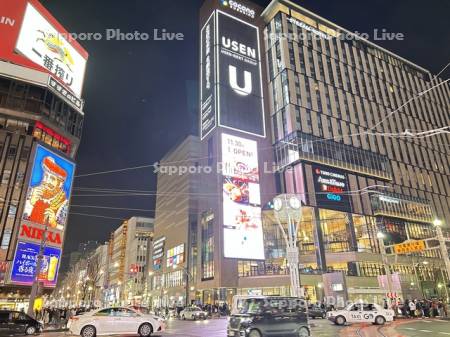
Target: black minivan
16,322
270,316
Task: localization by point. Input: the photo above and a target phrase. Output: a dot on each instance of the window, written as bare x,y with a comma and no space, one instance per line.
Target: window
207,246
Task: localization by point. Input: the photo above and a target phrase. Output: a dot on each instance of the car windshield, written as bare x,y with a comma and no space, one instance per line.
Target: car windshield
252,306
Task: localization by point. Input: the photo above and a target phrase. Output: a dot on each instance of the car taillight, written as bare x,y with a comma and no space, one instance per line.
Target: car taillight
75,318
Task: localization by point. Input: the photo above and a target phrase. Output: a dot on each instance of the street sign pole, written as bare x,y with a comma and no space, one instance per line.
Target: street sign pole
35,287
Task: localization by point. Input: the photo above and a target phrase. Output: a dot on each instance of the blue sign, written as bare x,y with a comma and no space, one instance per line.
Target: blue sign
331,187
25,262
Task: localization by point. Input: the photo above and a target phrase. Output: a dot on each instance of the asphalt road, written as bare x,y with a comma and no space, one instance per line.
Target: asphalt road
319,328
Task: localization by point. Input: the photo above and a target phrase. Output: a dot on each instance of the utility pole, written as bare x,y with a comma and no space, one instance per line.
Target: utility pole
40,257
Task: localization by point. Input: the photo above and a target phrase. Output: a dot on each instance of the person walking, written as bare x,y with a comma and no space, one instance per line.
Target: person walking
412,308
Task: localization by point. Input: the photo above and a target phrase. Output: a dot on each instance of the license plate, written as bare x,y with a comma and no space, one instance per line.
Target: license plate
231,333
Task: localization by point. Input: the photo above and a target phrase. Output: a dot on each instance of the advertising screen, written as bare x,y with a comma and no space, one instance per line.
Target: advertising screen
42,43
175,256
331,187
49,189
158,252
240,95
207,78
25,262
243,234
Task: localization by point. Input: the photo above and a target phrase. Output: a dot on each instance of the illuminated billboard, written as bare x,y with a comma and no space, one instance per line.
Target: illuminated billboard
207,78
158,252
240,93
45,45
231,79
49,189
25,262
175,256
331,187
243,234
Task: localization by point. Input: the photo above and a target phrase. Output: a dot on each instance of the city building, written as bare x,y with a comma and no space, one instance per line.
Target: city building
41,119
174,257
293,103
128,261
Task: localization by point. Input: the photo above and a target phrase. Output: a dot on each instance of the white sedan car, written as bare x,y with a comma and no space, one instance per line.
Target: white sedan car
193,313
114,321
361,313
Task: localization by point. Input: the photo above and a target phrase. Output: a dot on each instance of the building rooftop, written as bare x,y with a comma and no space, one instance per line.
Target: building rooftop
291,4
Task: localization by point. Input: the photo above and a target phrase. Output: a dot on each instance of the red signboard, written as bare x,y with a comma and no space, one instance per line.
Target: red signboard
12,13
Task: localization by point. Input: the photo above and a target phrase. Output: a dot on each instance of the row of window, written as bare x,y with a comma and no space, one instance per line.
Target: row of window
35,100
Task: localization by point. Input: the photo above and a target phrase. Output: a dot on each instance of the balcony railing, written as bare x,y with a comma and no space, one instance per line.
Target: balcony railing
300,146
403,207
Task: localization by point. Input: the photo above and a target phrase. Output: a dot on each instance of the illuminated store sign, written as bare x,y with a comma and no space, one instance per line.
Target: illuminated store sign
243,234
158,252
231,85
207,78
331,187
238,7
175,256
25,262
308,28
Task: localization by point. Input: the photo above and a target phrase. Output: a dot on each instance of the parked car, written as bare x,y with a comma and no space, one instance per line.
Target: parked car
193,313
361,313
114,321
315,311
268,316
16,322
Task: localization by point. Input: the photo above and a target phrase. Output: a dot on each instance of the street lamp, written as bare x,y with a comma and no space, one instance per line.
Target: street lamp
288,210
381,236
444,252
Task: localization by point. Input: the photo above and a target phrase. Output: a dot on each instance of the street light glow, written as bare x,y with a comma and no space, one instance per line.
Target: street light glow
437,222
380,235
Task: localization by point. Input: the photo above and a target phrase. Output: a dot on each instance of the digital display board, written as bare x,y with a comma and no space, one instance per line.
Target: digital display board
207,78
231,79
240,93
331,187
49,189
243,234
175,256
25,262
158,252
42,43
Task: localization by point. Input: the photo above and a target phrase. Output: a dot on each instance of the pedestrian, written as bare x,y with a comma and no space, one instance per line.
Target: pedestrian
412,308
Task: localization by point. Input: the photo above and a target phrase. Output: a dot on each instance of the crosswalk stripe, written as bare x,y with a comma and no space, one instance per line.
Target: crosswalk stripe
425,330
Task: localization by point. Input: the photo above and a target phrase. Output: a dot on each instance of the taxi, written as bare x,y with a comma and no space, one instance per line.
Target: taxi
361,313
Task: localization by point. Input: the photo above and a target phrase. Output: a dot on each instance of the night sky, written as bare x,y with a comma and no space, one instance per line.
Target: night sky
141,96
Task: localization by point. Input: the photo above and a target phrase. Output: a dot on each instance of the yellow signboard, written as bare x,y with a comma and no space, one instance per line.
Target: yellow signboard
410,247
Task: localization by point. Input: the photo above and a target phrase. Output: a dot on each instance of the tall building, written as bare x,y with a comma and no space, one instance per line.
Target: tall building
127,262
41,119
293,103
174,249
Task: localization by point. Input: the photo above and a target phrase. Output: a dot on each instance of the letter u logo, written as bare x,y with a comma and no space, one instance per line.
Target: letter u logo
243,91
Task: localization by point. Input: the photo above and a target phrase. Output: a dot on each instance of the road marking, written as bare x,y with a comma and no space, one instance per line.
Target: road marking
409,328
425,330
444,333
